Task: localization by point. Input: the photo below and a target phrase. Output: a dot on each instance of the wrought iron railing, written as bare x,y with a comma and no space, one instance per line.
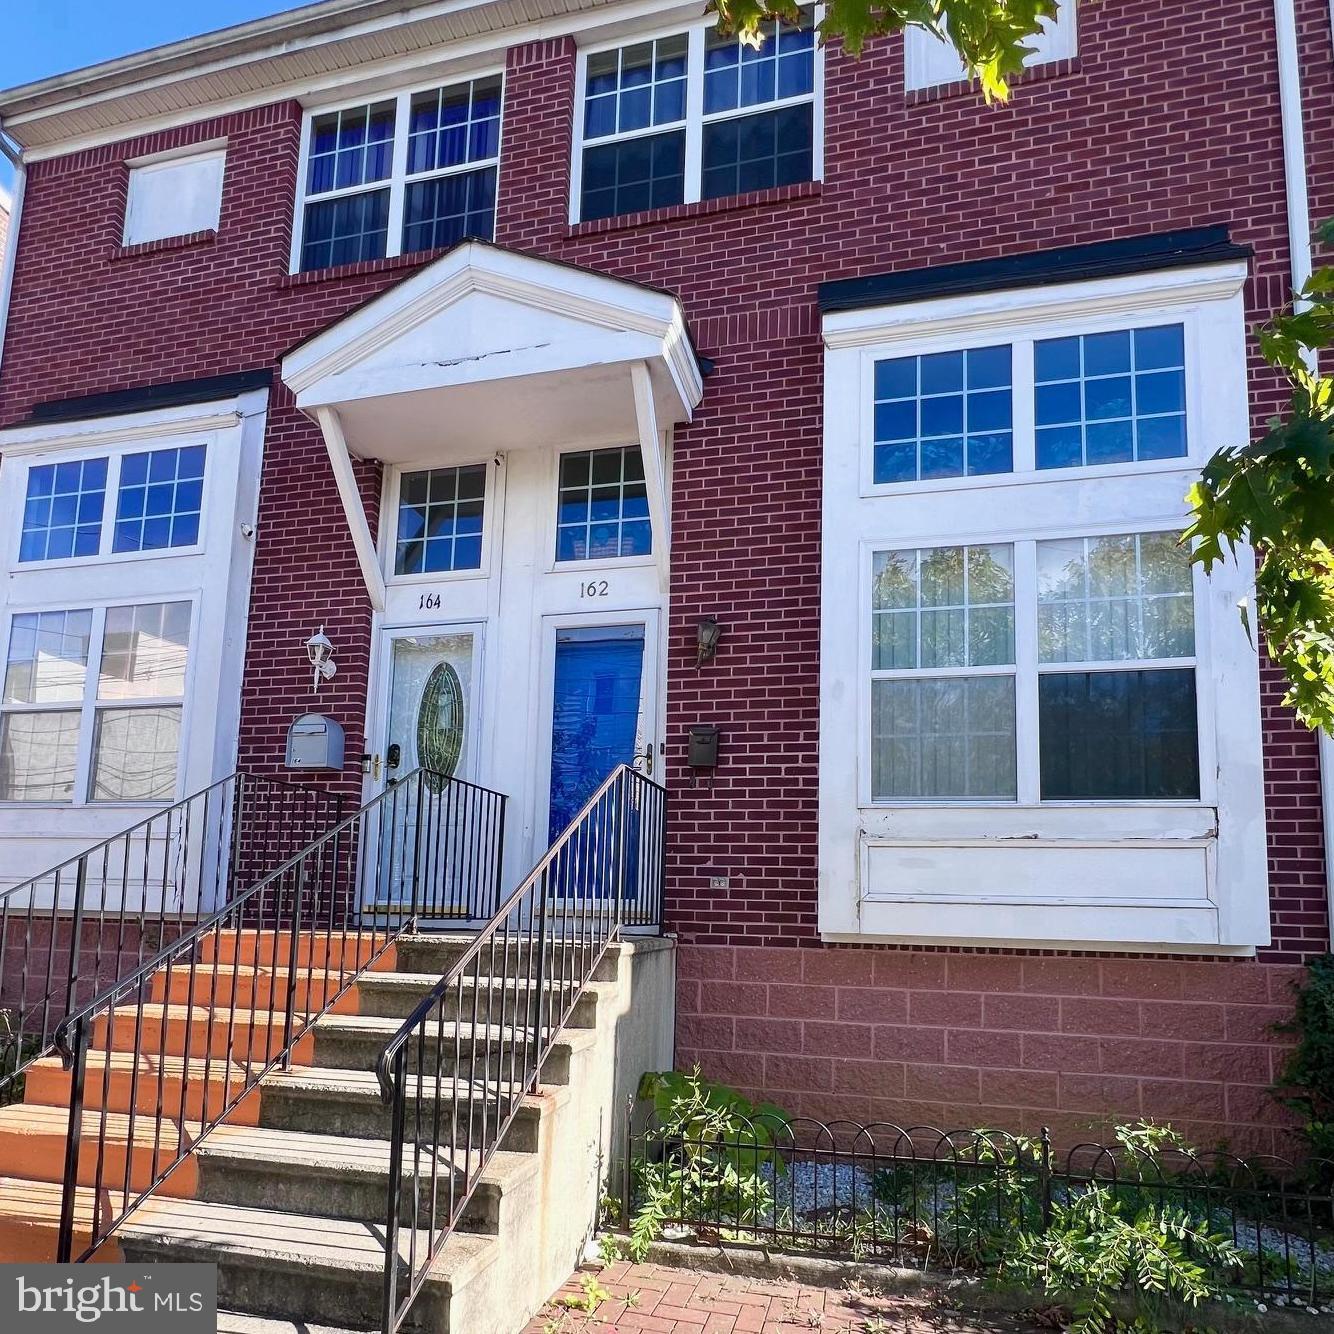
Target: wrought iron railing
250,978
73,930
456,1072
957,1200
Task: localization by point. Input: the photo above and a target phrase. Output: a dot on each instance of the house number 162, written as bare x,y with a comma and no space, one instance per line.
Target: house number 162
594,588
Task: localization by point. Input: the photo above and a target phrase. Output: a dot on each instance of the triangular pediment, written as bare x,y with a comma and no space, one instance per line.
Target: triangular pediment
480,313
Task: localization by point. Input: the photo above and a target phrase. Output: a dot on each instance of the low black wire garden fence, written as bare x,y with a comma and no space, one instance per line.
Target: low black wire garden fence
958,1200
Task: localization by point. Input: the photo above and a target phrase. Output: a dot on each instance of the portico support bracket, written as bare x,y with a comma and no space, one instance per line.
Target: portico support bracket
362,539
655,468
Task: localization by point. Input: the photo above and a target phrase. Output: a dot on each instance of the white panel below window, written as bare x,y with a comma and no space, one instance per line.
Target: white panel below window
174,198
1052,891
929,62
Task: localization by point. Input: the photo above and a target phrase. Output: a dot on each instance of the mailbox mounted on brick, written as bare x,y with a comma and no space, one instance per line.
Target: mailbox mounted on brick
314,742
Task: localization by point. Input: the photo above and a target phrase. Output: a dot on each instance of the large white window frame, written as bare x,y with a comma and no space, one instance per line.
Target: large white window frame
398,179
213,577
1106,874
694,119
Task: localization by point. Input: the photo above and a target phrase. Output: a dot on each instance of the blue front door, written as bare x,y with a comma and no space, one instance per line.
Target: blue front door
594,713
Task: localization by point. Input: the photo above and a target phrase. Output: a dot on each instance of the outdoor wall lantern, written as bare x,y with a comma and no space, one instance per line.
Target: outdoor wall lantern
706,640
320,652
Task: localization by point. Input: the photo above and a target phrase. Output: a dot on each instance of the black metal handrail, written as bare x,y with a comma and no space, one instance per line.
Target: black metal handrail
83,924
248,981
496,1014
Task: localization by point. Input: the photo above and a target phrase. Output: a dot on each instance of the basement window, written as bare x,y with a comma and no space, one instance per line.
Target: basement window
408,173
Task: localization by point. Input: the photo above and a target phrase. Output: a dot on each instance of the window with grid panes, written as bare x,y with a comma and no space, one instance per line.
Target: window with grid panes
602,508
440,515
644,145
399,175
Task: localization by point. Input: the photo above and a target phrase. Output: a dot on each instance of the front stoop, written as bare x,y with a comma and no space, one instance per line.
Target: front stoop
288,1197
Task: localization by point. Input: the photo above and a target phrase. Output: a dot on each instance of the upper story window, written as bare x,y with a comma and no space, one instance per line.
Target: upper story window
174,196
440,514
159,500
409,173
695,115
602,511
929,62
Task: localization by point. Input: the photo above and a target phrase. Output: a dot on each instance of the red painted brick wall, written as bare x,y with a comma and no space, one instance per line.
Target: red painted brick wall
1168,119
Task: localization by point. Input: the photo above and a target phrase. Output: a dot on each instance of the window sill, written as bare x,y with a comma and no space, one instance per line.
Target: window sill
206,237
1054,69
361,269
781,194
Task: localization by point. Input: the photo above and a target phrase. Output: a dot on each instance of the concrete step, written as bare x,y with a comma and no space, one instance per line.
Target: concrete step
396,995
437,952
119,1080
179,1030
480,1051
319,1100
292,1267
233,1322
334,1176
115,1150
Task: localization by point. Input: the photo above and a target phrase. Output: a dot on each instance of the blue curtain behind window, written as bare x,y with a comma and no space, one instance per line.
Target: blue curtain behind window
595,711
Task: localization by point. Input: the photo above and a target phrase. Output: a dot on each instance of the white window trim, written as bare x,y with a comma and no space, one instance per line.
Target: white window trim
214,577
1218,841
392,493
115,456
695,119
930,63
398,180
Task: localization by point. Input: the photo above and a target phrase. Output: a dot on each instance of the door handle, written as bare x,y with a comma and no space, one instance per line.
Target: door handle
647,758
370,764
393,757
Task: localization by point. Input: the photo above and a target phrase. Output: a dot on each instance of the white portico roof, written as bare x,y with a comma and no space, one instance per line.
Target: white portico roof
490,349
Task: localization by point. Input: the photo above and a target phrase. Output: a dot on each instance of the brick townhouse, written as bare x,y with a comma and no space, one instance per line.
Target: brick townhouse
796,427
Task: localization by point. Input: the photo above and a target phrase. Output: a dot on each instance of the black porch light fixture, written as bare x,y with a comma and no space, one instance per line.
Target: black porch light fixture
707,633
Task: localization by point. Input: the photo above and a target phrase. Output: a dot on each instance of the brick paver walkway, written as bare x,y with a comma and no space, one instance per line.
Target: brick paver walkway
681,1301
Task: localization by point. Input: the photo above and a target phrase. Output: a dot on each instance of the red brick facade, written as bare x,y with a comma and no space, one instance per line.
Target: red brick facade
1168,119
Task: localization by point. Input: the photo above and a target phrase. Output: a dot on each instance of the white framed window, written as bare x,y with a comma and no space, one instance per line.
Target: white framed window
174,196
92,703
602,505
438,528
1040,723
1104,397
1105,658
410,172
929,62
129,501
691,114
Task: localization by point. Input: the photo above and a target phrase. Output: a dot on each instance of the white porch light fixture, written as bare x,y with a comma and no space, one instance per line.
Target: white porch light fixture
319,649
